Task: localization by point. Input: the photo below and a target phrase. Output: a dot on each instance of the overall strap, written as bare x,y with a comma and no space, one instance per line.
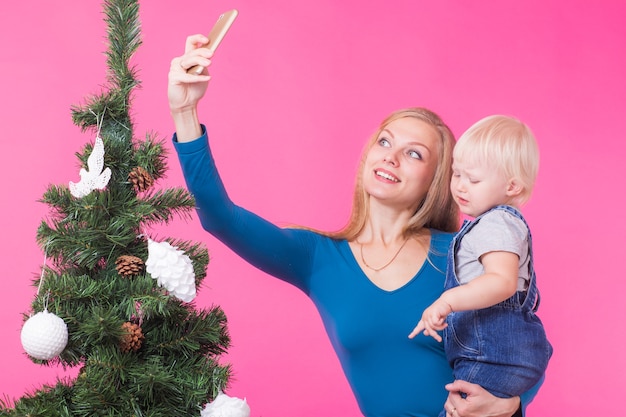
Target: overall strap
533,298
451,279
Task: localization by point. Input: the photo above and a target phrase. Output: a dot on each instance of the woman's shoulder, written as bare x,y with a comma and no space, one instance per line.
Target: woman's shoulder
439,245
439,238
312,236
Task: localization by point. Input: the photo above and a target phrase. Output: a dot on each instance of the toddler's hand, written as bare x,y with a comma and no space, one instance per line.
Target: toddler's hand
433,320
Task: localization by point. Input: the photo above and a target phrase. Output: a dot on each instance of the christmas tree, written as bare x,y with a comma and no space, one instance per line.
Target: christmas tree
110,299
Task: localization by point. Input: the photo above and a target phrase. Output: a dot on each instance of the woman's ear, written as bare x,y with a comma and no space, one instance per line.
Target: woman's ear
514,188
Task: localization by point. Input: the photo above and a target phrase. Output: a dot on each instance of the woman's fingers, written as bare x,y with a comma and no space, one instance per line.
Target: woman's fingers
195,54
178,71
195,42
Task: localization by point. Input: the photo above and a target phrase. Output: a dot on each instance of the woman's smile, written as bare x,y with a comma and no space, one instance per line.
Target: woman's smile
386,175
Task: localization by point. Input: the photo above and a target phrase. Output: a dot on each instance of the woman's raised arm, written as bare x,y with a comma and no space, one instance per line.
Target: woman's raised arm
186,90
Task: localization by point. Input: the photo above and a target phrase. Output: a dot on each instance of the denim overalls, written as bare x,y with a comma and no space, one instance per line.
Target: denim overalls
502,348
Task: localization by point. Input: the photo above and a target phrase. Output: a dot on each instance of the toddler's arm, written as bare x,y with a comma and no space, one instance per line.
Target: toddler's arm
498,283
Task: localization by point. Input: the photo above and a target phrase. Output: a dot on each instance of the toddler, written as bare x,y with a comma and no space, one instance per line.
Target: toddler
491,334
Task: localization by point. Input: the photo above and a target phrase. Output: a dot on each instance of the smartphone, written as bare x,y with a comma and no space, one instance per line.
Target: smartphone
216,35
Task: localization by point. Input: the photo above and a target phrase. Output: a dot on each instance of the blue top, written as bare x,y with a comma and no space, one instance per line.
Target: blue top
390,374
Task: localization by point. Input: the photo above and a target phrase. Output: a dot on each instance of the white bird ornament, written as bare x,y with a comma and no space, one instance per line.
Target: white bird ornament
96,177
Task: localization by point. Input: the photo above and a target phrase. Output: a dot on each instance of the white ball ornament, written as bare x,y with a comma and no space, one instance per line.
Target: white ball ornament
44,335
225,406
172,269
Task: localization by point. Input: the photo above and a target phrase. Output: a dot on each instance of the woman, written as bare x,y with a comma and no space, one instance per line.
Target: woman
368,279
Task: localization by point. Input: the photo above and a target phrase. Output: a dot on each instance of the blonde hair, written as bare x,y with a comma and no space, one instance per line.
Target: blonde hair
505,144
437,209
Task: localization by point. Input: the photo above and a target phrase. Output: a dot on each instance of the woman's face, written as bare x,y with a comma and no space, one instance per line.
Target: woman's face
400,166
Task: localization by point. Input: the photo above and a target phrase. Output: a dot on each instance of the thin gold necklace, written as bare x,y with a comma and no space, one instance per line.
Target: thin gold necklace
385,265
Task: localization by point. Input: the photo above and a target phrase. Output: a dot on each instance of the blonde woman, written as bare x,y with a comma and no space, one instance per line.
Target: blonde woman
365,279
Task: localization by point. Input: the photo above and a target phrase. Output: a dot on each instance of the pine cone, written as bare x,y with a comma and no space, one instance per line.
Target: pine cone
133,338
141,179
127,265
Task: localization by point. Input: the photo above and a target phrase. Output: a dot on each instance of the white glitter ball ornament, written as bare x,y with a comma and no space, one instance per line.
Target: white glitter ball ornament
172,269
225,406
44,335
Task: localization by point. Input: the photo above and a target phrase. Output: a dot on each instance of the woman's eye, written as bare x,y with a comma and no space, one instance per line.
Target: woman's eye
473,181
415,155
384,142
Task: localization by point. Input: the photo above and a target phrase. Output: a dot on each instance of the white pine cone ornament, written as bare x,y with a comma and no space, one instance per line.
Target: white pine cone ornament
44,335
225,406
172,269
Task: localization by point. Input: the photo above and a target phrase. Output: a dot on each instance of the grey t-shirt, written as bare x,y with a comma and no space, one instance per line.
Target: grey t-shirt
495,231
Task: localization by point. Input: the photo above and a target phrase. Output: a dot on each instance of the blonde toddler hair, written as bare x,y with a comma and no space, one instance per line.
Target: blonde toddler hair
505,144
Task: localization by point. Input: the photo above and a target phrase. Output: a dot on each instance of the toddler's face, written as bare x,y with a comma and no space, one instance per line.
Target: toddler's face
477,189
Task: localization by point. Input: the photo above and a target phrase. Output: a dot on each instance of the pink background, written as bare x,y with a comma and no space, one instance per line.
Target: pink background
297,88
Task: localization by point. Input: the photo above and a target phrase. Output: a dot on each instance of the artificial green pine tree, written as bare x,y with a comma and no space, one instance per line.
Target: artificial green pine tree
141,350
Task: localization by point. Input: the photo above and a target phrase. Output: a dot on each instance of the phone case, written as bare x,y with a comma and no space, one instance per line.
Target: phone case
217,33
